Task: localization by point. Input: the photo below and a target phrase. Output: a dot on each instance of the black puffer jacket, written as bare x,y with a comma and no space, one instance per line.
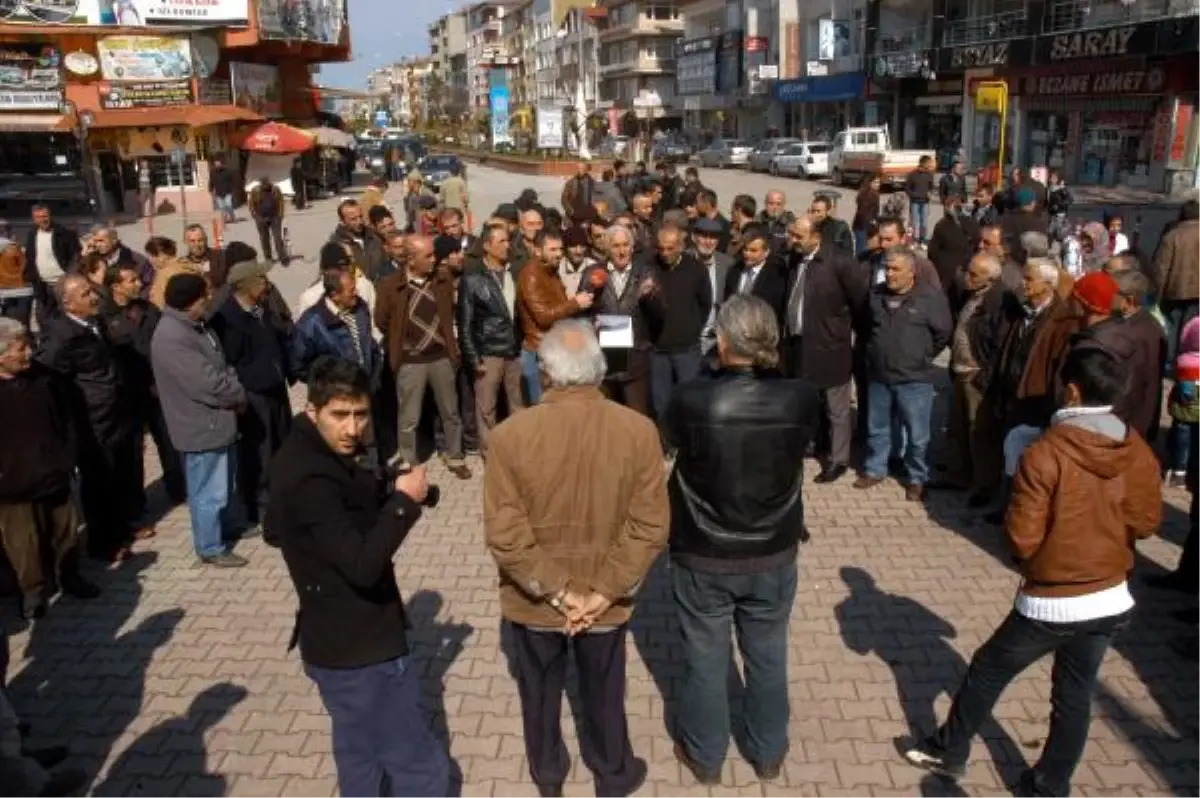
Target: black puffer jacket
902,341
754,425
486,327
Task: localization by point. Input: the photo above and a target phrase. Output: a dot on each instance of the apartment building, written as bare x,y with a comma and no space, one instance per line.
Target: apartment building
637,42
486,49
448,49
518,37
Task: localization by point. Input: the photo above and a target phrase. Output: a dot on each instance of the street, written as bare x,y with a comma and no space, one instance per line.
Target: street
178,681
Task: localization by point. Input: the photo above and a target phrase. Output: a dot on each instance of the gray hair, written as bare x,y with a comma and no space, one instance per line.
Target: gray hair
1132,284
991,264
617,230
107,230
570,354
904,252
1045,268
749,328
1035,244
11,331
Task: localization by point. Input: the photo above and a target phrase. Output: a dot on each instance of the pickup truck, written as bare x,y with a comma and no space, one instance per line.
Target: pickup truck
861,151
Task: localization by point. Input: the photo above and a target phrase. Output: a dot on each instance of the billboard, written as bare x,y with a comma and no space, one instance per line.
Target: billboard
498,105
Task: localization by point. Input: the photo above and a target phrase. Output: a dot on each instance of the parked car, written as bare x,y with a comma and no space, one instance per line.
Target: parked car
861,151
724,153
436,169
805,160
762,155
670,150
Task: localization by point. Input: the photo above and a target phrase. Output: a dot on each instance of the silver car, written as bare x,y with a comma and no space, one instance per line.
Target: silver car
724,153
762,155
804,160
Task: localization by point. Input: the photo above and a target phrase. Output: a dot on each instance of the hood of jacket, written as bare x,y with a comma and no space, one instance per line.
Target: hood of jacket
1095,440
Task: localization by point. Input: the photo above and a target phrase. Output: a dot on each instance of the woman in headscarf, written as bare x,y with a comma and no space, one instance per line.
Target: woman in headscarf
1094,241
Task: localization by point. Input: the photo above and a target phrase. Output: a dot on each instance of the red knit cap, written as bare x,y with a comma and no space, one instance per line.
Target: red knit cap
1096,291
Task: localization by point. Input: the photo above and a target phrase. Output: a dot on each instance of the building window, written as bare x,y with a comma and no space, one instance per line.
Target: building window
166,174
38,154
661,13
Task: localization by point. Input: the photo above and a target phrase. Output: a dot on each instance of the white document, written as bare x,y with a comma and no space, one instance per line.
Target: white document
614,332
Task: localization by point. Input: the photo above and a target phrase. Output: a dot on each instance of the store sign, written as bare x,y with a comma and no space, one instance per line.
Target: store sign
550,127
844,87
1109,43
29,77
1128,81
706,44
983,55
136,13
145,95
257,87
756,44
319,21
145,58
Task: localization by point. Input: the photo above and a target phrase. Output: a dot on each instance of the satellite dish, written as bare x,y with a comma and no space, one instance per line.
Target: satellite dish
206,55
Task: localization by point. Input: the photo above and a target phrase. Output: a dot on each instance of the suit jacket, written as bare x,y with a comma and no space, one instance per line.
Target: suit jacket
627,303
771,285
835,290
66,250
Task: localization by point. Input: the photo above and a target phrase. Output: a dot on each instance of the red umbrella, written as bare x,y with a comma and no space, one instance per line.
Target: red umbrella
274,138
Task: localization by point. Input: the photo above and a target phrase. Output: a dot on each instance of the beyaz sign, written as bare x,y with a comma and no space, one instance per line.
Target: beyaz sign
983,55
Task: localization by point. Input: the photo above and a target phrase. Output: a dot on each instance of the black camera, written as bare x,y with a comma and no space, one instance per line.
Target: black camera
395,469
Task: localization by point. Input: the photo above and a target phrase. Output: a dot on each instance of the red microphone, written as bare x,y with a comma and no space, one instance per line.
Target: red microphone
597,280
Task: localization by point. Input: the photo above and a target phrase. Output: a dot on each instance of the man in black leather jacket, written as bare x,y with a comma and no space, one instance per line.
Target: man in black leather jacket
737,518
488,331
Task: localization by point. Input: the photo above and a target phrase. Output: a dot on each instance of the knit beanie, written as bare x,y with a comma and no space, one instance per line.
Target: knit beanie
1096,291
184,290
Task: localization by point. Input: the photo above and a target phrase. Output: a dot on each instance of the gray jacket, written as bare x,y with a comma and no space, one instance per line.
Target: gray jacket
198,390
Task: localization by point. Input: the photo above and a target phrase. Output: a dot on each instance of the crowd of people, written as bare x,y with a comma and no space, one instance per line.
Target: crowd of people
736,344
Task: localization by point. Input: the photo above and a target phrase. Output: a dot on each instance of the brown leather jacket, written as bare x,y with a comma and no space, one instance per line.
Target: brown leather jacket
1081,499
12,267
255,200
163,275
391,314
541,300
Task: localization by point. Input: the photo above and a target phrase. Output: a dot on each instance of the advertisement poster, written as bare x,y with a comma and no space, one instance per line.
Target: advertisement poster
318,21
145,95
145,58
257,88
133,13
498,103
833,39
550,127
45,12
29,77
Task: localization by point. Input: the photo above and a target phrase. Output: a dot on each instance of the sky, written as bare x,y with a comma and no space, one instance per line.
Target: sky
382,32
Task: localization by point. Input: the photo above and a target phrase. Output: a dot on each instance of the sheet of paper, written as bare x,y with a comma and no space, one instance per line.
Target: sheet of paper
614,332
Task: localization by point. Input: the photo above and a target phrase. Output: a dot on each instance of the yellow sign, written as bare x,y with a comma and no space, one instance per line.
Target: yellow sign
991,97
560,8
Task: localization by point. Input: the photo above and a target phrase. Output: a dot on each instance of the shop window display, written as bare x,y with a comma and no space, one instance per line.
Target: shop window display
1116,149
1046,140
38,154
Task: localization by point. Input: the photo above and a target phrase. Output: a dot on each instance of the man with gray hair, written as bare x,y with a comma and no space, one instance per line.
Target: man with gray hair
574,521
734,541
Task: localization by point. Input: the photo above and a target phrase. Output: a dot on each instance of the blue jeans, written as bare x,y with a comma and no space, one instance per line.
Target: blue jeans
1179,442
914,403
1078,650
668,370
532,375
224,204
918,217
382,743
860,241
757,607
210,480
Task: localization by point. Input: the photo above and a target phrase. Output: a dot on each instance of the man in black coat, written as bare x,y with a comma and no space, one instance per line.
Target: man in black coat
76,345
759,274
835,233
955,239
339,526
256,348
826,289
51,251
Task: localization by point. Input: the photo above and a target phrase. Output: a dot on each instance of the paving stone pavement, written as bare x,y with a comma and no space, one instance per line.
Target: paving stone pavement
177,680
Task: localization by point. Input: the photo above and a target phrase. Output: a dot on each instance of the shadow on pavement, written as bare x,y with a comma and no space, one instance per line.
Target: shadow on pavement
436,644
83,680
183,738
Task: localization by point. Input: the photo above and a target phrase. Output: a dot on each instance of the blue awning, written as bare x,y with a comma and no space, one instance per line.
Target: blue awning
826,89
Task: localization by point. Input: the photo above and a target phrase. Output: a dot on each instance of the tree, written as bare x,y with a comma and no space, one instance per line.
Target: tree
435,95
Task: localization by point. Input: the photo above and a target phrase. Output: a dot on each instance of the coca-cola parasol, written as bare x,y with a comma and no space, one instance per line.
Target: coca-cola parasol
275,138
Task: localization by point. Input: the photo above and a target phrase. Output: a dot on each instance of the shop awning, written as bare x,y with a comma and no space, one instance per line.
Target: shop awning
189,115
35,123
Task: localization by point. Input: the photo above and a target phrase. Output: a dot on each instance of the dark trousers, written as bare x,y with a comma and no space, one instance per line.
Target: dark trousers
111,493
540,661
466,412
755,607
668,369
40,539
1078,650
628,382
382,743
262,428
271,229
172,462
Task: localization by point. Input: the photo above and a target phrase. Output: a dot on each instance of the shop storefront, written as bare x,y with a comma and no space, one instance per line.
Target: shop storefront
818,108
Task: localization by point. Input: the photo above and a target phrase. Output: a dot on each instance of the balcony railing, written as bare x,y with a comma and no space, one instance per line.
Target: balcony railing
991,28
1067,15
641,26
643,63
904,40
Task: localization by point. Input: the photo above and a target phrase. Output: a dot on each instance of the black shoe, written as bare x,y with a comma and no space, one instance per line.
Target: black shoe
925,756
67,781
830,473
685,759
769,771
895,466
550,790
979,499
1027,785
1172,580
226,560
640,769
76,586
48,758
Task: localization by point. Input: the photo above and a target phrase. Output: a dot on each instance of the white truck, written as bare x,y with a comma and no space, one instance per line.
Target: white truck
861,151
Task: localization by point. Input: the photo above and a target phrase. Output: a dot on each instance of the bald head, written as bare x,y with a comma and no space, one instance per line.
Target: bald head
420,255
78,296
983,270
774,204
803,235
670,245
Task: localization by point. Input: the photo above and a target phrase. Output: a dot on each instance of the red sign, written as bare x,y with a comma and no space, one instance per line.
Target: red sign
1183,125
756,44
1087,84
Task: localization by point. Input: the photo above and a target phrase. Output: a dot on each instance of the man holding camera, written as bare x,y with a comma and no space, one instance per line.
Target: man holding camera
339,529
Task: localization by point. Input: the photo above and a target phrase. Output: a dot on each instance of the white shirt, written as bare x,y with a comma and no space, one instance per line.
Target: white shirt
748,278
1120,243
49,269
620,278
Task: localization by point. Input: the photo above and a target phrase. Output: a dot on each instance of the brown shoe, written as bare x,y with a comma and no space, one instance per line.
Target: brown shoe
768,772
461,471
145,533
864,482
914,493
686,760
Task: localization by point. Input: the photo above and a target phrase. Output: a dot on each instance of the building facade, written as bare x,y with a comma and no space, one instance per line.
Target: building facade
486,50
96,98
637,42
